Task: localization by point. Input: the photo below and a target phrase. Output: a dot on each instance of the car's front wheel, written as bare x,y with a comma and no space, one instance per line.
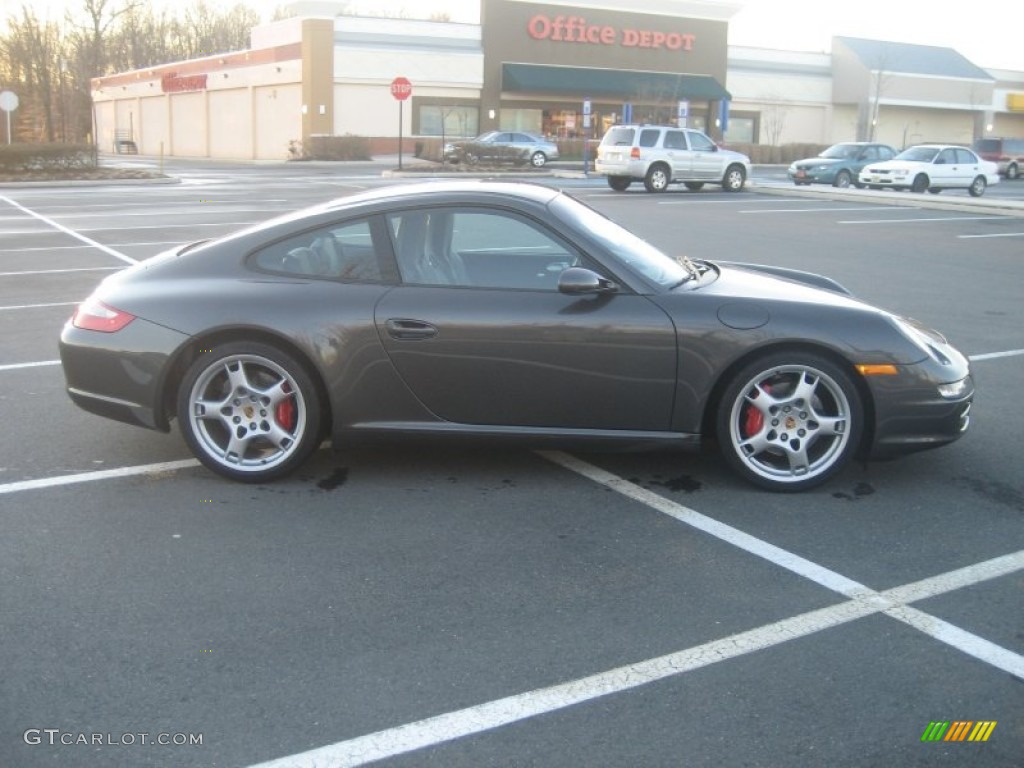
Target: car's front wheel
977,188
790,420
734,179
249,411
657,178
619,183
920,183
1012,172
842,180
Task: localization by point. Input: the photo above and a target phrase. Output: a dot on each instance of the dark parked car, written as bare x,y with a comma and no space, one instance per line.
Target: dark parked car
840,164
500,310
503,147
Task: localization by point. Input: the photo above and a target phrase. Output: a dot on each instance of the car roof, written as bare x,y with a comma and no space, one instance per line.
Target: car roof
416,191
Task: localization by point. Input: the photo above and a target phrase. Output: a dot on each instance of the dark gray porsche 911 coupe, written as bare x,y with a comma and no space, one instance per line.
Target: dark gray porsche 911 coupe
501,310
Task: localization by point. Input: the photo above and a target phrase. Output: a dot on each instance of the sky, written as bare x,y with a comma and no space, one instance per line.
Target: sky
987,32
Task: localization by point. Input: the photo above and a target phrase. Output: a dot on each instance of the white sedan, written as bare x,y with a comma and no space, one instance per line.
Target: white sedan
932,167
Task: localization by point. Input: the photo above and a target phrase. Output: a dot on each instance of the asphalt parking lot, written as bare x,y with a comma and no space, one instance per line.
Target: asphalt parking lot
423,605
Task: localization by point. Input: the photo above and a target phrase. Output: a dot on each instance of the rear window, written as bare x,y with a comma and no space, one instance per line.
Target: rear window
619,137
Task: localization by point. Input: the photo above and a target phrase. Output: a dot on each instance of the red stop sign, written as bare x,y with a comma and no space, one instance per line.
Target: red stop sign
401,88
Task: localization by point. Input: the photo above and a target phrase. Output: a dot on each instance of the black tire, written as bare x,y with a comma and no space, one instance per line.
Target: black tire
920,183
977,188
249,411
734,179
858,185
789,421
657,178
694,186
934,190
538,159
843,179
619,183
1012,172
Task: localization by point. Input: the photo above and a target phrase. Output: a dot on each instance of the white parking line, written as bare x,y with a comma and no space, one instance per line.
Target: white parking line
18,366
58,271
39,306
1000,234
914,221
996,355
102,474
825,210
62,228
865,602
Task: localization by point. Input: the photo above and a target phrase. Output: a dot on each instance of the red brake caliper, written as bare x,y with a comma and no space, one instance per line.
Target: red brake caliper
753,421
285,413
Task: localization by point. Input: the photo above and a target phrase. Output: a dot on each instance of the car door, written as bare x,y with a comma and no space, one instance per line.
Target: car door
480,333
678,154
946,172
706,163
968,166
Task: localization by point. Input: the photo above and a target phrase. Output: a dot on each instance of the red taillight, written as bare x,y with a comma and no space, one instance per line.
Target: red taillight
93,315
634,153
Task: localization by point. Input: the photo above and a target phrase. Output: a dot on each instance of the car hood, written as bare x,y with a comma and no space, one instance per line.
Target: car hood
795,307
819,161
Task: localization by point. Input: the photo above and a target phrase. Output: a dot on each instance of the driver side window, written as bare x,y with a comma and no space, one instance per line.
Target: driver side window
467,247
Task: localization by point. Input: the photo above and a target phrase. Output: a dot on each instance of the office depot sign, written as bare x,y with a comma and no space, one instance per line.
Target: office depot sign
575,29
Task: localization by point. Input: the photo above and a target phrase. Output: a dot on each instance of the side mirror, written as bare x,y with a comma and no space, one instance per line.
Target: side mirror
577,281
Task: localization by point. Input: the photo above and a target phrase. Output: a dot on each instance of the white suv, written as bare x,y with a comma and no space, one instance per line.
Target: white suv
660,155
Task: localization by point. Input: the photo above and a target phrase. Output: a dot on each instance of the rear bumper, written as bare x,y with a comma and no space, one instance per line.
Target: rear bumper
120,375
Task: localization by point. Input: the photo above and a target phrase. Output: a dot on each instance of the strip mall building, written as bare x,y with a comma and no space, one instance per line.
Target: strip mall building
564,69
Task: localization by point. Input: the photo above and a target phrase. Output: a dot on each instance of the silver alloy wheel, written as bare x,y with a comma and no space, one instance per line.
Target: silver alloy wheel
247,413
657,178
977,188
734,179
790,424
538,159
843,179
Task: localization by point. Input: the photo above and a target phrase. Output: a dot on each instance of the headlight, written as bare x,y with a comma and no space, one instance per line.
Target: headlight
954,390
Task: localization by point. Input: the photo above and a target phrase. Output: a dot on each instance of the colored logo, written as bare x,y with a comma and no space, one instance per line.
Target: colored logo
958,730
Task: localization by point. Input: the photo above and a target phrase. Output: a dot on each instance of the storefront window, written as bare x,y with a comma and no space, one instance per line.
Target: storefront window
457,121
528,120
741,130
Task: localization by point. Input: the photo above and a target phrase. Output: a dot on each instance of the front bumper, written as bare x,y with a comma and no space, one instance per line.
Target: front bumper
120,375
911,415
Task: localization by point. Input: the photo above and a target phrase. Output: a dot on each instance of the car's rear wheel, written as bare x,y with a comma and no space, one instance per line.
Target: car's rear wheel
790,420
734,179
842,180
977,188
657,178
538,159
920,183
249,411
619,183
934,190
694,186
1012,172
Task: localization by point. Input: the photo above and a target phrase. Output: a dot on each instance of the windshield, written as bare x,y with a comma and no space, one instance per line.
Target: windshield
642,257
918,154
842,152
